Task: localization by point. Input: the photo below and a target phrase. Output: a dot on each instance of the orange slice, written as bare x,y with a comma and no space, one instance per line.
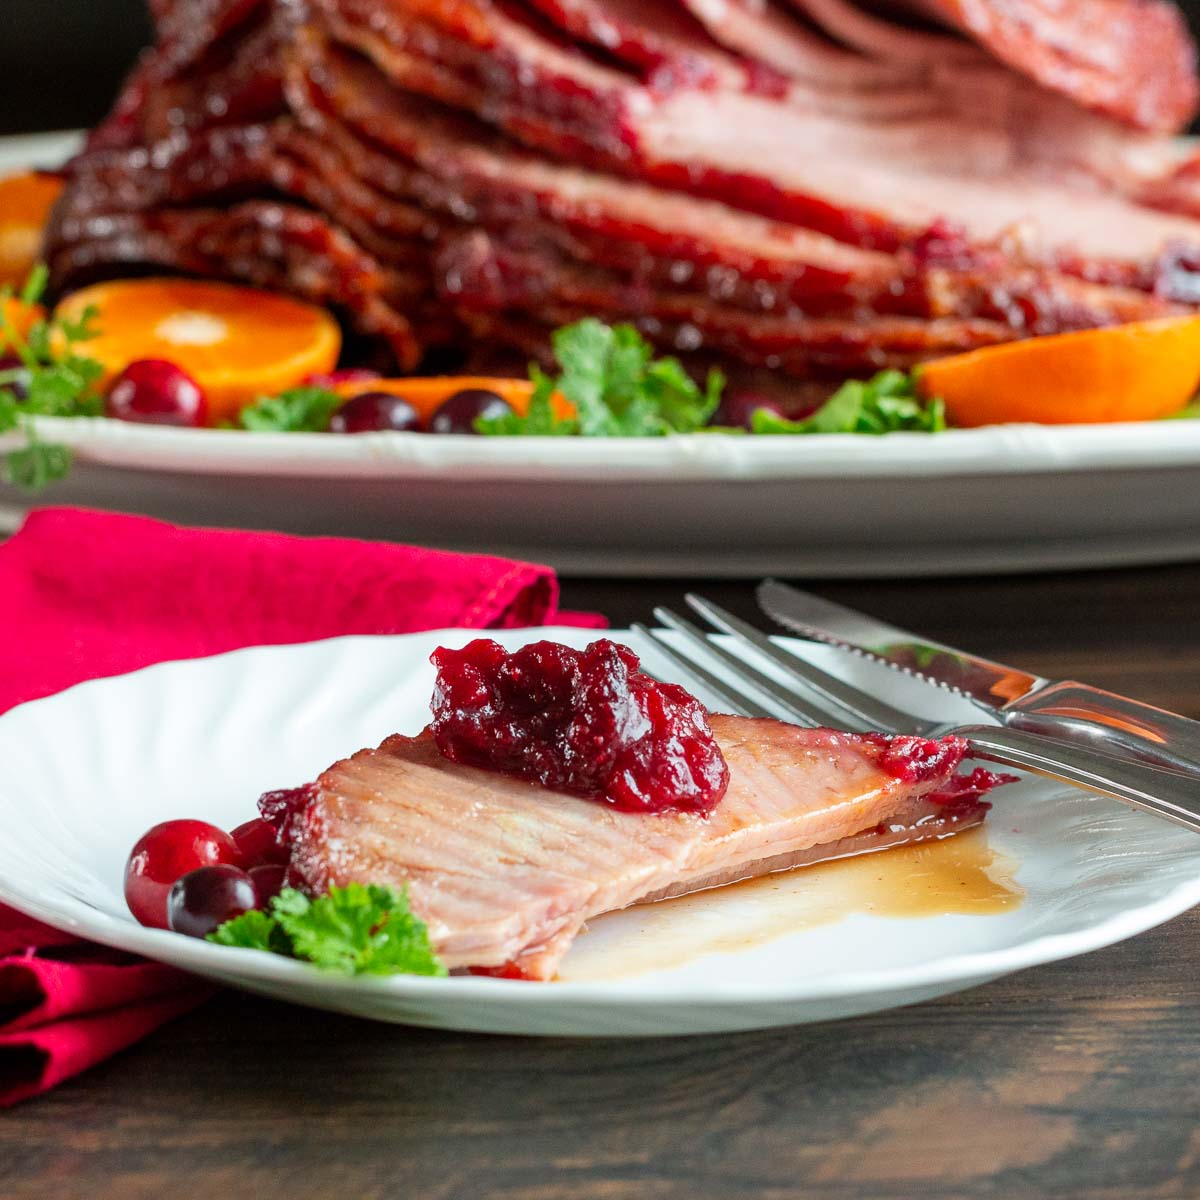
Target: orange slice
1135,372
25,204
237,343
19,317
426,393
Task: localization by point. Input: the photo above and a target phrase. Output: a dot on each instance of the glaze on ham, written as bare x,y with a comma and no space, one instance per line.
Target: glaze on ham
803,188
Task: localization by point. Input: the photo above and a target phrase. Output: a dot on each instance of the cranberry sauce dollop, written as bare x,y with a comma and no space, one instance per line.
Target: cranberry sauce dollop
581,721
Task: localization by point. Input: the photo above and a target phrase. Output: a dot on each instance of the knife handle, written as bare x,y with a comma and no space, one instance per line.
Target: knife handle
1081,712
1162,793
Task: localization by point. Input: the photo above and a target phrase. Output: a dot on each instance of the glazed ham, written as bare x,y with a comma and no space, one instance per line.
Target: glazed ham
793,190
506,873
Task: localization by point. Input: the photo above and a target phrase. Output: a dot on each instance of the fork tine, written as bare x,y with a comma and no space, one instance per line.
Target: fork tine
739,703
859,705
804,713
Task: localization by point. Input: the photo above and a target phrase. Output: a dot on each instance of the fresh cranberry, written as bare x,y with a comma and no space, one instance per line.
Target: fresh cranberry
374,411
204,899
268,883
584,721
156,392
332,380
257,844
737,409
163,855
458,413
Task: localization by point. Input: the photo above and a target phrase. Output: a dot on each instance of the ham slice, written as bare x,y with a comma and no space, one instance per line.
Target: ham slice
263,244
506,873
860,177
1131,59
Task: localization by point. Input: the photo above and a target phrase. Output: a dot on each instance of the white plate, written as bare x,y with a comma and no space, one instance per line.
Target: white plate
1011,498
86,772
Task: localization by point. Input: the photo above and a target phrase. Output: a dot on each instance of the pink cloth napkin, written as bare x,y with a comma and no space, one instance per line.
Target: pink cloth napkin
86,594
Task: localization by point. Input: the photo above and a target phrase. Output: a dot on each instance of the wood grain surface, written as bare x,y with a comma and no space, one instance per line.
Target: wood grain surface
1080,1079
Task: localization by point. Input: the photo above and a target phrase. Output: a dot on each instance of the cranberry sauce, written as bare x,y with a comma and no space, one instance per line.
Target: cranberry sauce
965,792
582,721
280,809
917,759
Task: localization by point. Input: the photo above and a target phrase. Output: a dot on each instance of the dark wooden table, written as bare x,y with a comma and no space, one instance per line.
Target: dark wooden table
1075,1080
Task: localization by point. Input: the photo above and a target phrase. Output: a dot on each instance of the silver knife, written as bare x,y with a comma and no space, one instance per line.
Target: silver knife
1056,708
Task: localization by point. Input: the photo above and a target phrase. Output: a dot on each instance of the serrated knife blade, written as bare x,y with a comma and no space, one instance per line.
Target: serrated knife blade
1057,708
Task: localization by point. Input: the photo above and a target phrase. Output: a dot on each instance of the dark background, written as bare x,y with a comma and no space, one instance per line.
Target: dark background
62,60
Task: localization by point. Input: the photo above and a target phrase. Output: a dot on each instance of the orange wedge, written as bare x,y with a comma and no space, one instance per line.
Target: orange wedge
19,317
426,393
1136,372
237,343
25,204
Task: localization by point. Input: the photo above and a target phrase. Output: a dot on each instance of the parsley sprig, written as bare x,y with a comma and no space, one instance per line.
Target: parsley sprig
889,403
617,386
52,380
359,929
298,410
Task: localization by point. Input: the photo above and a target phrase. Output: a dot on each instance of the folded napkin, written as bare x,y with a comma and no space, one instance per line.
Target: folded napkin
86,594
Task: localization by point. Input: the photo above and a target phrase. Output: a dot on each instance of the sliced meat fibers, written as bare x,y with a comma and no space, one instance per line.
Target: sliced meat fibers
506,872
814,188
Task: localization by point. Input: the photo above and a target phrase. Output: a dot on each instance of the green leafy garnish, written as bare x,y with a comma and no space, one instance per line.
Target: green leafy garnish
886,404
359,929
1184,414
53,380
254,930
617,386
298,410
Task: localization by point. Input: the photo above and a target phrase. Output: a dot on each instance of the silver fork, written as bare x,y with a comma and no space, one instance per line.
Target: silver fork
815,697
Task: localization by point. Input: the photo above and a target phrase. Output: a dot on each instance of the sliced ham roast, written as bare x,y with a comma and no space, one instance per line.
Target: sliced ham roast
808,188
506,873
1131,60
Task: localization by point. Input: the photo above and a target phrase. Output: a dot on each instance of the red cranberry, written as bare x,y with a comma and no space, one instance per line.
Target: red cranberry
458,413
268,883
584,721
257,844
155,392
334,379
373,411
165,853
204,899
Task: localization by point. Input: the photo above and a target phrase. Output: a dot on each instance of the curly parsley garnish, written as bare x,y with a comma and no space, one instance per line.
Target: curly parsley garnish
617,386
52,380
298,410
359,929
889,403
